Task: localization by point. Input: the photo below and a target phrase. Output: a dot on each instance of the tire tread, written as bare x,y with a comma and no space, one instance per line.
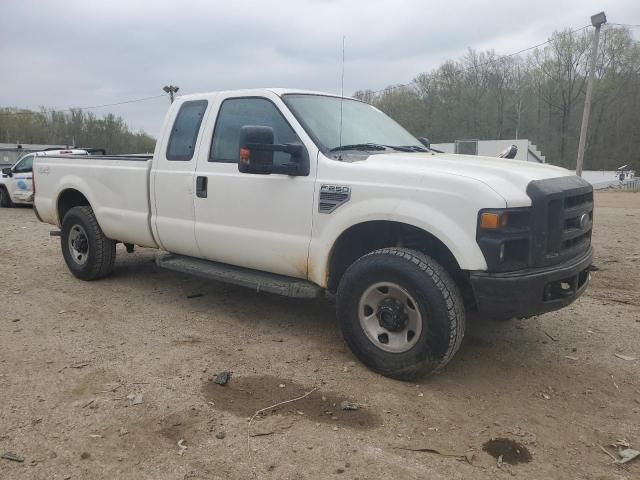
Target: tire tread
5,198
105,252
452,298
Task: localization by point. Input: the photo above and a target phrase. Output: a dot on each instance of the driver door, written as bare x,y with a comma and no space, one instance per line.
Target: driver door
252,220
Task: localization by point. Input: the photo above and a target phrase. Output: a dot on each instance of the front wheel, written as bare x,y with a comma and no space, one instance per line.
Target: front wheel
87,252
400,313
5,198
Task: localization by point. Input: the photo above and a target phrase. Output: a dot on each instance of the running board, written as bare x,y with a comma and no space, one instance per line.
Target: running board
244,277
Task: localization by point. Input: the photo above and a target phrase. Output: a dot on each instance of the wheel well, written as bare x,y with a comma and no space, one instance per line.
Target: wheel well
366,237
67,200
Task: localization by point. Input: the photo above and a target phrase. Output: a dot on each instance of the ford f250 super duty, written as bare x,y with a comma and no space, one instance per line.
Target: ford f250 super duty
301,193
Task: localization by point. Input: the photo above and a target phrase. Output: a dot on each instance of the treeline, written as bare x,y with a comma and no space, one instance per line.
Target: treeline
539,97
72,128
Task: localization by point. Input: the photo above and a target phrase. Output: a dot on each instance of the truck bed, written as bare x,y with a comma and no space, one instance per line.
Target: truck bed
117,187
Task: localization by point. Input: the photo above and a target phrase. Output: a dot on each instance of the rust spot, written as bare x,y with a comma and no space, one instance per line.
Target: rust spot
301,267
310,267
312,274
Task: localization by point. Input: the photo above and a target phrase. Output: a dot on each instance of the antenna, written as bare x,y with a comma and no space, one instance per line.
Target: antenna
342,90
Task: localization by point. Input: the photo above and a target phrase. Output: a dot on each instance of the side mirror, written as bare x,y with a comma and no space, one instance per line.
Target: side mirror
7,171
425,141
257,148
509,152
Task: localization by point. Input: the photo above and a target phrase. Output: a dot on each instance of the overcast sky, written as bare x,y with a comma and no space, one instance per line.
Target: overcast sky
66,53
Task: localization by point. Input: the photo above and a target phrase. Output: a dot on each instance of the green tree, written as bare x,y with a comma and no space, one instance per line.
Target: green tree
540,96
72,128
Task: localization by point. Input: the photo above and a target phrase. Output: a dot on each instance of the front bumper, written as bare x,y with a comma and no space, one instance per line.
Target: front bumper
531,292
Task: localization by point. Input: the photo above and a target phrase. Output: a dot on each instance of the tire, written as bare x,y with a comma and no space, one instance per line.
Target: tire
87,252
410,291
5,199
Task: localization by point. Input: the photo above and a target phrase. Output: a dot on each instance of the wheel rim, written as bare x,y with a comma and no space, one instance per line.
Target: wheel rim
390,318
78,244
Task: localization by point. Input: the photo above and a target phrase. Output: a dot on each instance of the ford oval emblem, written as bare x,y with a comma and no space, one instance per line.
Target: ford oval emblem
584,220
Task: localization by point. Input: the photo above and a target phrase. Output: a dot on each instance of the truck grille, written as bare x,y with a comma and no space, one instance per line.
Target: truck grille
562,219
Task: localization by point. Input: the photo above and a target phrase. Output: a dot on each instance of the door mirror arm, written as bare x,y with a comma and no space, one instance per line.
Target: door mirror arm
290,148
298,166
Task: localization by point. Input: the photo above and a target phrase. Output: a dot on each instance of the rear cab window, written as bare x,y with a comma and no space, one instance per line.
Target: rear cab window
185,130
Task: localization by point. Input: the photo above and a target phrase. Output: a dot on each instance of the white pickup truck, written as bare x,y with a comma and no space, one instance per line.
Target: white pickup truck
300,193
16,182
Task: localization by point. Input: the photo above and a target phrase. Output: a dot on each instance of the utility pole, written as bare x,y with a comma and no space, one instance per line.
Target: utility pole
597,21
171,90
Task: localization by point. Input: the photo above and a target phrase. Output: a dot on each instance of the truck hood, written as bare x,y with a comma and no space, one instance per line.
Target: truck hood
508,178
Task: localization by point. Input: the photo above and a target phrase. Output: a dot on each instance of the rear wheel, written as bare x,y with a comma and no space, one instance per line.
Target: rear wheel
87,252
5,199
401,313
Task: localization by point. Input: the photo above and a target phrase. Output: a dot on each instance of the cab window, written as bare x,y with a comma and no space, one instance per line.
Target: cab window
238,112
25,165
184,133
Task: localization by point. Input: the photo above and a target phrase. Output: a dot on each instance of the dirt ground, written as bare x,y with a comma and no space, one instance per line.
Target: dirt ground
72,352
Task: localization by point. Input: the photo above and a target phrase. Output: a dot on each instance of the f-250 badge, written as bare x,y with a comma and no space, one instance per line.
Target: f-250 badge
332,196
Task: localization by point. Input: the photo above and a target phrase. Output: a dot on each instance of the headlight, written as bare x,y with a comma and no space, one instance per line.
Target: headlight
493,220
507,219
504,236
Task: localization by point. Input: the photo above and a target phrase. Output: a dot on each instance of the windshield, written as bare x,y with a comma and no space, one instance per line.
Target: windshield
24,165
362,124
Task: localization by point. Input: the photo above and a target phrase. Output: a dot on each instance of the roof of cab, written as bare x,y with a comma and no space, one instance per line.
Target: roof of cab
70,151
259,91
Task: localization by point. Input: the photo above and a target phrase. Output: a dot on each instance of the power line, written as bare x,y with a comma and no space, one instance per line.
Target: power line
84,108
500,57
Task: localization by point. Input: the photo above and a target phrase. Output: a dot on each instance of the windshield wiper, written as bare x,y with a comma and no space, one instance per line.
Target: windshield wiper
359,146
409,148
378,146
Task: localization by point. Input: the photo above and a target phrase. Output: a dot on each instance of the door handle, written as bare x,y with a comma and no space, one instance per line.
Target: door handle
201,186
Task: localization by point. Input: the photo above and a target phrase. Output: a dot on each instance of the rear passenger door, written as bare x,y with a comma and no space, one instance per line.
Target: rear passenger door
173,179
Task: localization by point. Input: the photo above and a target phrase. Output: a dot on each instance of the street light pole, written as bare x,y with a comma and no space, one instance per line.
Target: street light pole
171,90
597,21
